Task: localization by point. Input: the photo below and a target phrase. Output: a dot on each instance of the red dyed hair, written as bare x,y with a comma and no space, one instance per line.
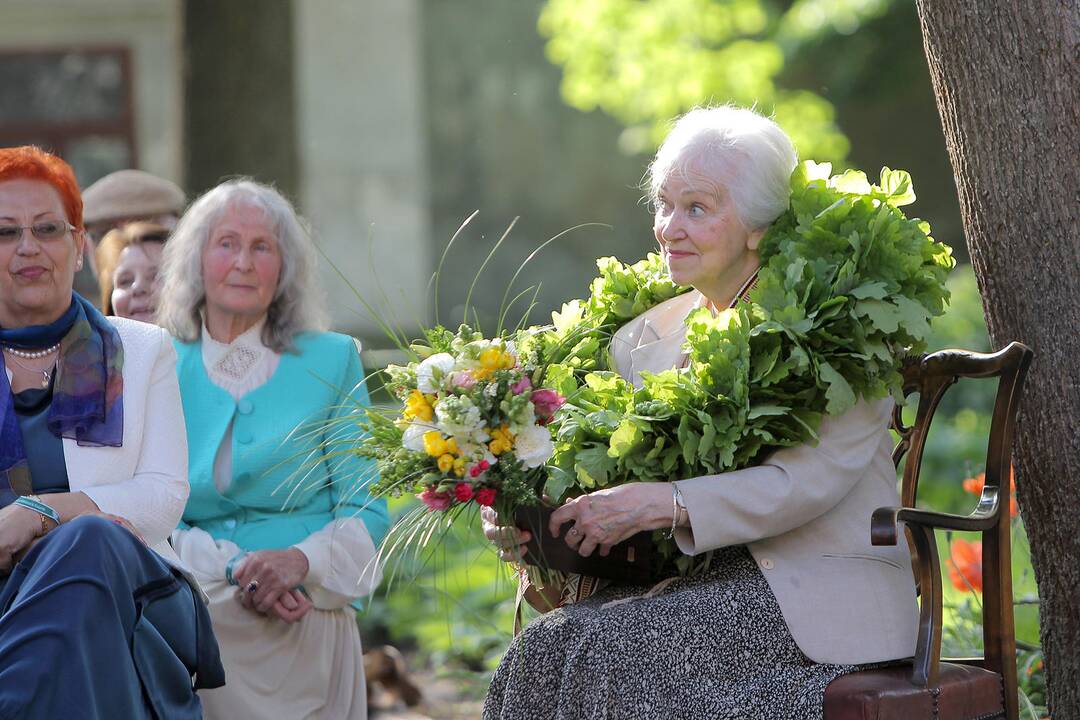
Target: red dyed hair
32,163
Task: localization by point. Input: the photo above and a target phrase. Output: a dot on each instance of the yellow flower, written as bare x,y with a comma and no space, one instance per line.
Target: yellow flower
451,446
434,445
446,463
418,407
491,360
501,440
459,467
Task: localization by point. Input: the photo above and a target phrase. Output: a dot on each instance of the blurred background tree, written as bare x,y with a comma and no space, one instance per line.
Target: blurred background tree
646,62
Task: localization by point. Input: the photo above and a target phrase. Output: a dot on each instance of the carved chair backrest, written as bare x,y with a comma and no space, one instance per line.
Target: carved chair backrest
930,376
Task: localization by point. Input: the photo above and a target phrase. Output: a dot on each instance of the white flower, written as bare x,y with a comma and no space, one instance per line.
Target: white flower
457,416
432,372
533,446
413,437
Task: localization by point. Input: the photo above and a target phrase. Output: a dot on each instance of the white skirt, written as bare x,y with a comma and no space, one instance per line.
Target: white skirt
309,670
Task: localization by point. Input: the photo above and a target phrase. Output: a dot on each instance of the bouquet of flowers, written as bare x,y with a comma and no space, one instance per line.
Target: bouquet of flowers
471,429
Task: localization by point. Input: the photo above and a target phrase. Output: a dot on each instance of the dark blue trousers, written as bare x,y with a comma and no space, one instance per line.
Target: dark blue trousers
95,625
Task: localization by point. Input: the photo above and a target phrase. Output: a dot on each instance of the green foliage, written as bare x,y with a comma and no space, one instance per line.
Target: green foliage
956,447
645,61
451,603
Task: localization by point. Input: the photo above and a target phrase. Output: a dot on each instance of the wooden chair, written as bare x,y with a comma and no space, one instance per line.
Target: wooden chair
970,689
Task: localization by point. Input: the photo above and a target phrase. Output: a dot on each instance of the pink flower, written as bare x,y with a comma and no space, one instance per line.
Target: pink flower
435,500
462,379
463,492
521,385
546,402
486,497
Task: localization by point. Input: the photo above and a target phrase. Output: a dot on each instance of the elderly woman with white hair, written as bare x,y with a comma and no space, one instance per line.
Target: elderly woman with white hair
794,595
278,528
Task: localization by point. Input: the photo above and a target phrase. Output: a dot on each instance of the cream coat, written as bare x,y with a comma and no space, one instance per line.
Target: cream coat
804,514
144,480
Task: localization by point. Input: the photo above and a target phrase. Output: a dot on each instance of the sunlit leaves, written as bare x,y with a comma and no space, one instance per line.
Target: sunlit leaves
646,61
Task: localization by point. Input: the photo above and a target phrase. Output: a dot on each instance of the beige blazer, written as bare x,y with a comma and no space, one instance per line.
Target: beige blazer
804,514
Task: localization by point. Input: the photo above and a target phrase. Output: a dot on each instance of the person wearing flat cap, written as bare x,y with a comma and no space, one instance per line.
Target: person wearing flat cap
120,198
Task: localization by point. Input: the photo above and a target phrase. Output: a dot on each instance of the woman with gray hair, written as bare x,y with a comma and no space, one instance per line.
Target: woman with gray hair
794,595
278,530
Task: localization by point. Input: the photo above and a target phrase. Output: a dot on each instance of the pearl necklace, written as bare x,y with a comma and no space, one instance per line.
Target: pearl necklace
46,373
32,354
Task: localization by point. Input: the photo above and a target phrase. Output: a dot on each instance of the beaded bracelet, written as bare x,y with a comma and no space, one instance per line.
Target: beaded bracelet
33,502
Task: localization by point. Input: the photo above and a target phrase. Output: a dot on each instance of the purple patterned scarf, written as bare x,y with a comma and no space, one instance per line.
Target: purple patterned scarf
87,402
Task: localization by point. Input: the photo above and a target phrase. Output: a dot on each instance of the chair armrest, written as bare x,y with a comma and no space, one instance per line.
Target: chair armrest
884,522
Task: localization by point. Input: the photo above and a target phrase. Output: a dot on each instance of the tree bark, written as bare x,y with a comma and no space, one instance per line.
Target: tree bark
1007,79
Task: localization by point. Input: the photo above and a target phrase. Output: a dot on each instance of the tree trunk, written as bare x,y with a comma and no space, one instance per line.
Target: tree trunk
1006,74
240,107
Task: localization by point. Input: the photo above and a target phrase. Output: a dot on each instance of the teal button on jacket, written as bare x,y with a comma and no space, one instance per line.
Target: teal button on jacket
283,487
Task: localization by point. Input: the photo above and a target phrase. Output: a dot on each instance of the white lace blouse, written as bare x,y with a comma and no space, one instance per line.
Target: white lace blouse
340,555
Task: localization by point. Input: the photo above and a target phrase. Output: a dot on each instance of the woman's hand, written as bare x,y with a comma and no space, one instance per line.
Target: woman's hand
19,528
266,575
116,519
292,606
607,517
510,540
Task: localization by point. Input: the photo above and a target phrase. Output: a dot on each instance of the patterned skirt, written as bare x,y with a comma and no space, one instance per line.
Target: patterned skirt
705,648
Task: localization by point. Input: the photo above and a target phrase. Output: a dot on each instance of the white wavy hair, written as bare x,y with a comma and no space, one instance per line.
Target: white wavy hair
745,152
298,301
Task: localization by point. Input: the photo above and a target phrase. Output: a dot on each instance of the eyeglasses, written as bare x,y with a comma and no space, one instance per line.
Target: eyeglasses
45,230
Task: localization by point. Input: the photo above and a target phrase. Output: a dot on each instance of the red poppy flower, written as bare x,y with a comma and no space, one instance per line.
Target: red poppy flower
965,565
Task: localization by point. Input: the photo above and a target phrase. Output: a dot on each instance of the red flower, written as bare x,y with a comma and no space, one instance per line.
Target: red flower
435,500
478,468
485,497
965,565
463,492
974,485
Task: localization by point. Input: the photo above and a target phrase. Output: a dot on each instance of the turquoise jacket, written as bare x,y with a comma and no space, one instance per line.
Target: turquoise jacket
285,486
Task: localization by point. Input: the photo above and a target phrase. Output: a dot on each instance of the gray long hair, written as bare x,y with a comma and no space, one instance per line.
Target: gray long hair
746,152
298,302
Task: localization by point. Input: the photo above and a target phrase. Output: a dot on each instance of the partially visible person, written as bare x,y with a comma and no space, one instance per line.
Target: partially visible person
97,620
120,198
128,260
279,529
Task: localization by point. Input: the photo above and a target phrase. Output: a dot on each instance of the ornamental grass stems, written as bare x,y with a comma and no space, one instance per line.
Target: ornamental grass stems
416,531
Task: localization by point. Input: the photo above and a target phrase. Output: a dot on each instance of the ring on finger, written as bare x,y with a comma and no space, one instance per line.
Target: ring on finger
573,531
252,587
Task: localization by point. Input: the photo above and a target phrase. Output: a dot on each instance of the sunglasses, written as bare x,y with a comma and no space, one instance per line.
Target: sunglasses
44,230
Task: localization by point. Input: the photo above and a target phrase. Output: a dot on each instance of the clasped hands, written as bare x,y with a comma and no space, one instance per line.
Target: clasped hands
269,581
597,521
20,530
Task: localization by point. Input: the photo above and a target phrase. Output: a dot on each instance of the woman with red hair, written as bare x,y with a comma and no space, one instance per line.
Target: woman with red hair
97,620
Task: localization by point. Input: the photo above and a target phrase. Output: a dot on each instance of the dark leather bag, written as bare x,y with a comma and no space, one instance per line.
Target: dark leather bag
629,561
